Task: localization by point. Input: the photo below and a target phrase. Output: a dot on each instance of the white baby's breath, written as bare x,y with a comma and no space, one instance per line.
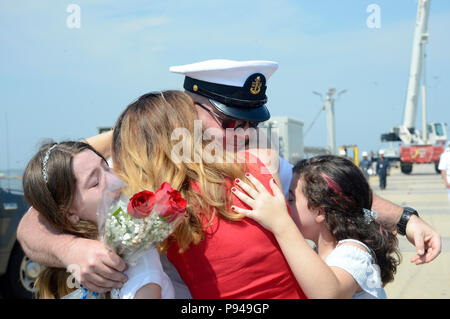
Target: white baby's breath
130,236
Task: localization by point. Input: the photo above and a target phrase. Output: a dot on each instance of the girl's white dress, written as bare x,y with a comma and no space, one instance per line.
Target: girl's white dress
361,265
146,270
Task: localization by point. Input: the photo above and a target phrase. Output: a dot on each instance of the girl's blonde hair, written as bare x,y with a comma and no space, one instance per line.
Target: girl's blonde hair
142,156
53,199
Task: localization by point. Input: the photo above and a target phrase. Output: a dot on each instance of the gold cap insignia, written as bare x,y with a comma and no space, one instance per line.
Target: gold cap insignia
256,86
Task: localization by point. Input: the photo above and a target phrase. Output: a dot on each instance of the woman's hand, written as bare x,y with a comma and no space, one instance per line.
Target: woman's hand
270,211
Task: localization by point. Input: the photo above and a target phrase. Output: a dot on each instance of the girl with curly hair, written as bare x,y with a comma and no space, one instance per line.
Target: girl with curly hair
356,254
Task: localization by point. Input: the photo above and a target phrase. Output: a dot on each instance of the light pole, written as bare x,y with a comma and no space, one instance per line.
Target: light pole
331,127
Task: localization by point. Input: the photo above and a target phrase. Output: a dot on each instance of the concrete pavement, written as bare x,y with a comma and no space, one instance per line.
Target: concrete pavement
423,190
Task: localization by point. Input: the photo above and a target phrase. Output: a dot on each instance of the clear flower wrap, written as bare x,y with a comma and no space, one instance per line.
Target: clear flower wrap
131,226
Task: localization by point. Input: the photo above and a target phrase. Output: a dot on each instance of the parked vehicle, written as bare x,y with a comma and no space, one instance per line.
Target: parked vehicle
17,272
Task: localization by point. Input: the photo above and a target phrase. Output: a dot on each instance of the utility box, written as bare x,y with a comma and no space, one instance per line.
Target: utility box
290,137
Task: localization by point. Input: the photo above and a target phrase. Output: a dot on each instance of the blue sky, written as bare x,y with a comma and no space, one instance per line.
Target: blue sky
62,83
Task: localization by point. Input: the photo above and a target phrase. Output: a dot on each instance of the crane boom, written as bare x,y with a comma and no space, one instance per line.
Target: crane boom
420,39
417,148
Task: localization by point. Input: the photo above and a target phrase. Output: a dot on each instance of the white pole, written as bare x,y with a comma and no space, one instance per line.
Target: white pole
329,107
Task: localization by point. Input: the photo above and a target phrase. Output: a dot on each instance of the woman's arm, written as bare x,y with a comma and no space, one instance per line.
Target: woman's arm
101,142
316,278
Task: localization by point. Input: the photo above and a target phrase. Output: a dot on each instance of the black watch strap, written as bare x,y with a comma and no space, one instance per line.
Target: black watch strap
407,212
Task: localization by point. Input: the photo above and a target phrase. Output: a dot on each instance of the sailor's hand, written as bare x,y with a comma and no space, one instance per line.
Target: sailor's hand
94,265
427,242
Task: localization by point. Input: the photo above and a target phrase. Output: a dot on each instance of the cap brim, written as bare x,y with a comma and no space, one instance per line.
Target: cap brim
254,114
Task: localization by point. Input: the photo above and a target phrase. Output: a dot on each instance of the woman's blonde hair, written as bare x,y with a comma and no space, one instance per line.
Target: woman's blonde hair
142,156
53,198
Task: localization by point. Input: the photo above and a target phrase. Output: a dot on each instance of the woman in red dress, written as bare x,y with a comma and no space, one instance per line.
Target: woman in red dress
218,253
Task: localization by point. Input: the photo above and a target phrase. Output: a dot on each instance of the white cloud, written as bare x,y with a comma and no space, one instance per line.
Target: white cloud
140,24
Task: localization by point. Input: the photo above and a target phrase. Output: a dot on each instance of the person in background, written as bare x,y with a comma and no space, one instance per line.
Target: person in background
383,165
365,165
444,167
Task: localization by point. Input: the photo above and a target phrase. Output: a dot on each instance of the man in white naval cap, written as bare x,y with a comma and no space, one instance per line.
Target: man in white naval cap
231,95
228,95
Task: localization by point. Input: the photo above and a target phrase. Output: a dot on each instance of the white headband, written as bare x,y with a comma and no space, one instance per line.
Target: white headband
44,162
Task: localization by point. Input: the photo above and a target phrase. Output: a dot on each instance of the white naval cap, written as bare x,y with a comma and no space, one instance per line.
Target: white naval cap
227,72
235,88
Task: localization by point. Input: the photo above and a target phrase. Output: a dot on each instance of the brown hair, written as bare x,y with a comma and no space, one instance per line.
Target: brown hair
53,199
142,146
337,186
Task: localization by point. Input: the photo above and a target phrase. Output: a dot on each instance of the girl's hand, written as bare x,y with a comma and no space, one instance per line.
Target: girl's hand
270,211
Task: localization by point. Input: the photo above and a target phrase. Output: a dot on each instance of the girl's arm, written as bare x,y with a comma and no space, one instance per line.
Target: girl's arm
315,277
149,291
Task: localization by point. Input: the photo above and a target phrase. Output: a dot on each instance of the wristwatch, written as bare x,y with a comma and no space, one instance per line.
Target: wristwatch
407,212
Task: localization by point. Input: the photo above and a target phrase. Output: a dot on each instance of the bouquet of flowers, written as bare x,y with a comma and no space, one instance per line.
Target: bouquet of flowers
130,226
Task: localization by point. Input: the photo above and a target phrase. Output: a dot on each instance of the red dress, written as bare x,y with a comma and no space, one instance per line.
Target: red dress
236,259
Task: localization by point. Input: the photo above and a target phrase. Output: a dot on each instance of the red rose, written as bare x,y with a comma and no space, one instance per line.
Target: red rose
141,204
169,202
162,194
